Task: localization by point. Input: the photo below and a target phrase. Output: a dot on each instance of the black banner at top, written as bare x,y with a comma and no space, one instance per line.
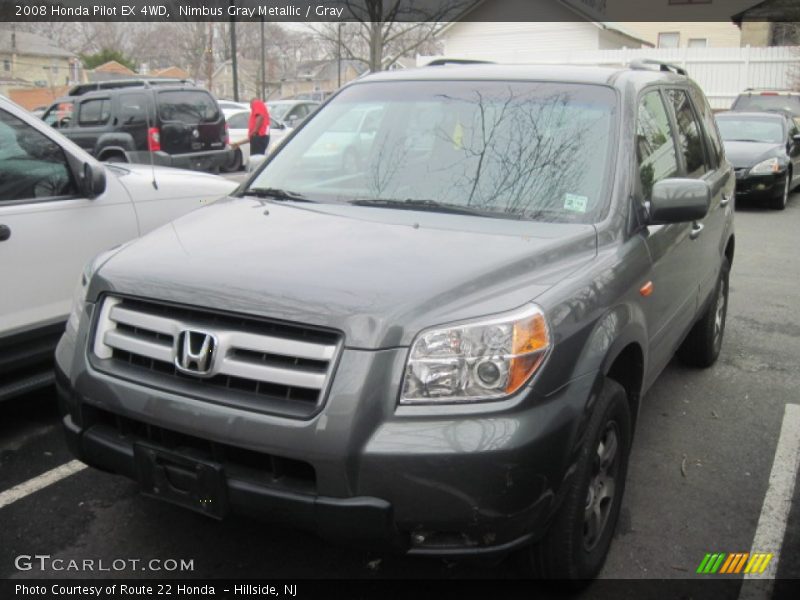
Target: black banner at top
400,10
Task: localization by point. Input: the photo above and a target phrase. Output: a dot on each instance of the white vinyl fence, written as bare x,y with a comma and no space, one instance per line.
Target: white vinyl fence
722,72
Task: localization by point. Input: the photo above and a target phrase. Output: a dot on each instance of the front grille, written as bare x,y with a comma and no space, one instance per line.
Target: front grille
256,364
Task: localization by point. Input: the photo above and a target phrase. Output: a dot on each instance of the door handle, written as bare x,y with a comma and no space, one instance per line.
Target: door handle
726,198
697,229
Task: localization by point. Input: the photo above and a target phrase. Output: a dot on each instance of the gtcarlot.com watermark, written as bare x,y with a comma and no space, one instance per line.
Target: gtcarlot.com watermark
45,562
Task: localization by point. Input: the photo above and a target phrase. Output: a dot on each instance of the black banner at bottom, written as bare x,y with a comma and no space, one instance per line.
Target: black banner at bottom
385,589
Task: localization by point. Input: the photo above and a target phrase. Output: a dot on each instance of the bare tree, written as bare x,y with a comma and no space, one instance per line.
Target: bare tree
382,31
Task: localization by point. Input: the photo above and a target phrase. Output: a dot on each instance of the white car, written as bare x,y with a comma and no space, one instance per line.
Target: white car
237,133
59,208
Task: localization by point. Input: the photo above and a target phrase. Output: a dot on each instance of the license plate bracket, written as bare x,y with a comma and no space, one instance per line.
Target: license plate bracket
189,482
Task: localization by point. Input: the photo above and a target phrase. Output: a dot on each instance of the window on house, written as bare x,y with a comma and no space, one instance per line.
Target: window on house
698,42
6,65
669,39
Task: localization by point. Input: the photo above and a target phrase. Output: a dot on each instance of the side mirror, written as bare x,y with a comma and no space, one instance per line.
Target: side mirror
277,124
256,160
796,138
679,201
94,180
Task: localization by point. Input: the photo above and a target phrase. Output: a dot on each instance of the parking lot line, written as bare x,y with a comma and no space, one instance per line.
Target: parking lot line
37,483
777,504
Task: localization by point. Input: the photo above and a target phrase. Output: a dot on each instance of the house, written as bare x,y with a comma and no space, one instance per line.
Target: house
170,73
109,71
248,74
30,60
688,34
533,27
770,23
321,76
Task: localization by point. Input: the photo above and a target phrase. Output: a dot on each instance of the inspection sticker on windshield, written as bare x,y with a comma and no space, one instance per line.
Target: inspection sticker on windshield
575,202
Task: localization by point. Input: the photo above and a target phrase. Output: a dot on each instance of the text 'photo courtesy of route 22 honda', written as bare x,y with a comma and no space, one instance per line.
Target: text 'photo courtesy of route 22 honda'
440,349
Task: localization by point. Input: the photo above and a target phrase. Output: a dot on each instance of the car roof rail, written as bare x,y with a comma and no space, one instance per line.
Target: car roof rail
441,62
646,64
113,84
770,89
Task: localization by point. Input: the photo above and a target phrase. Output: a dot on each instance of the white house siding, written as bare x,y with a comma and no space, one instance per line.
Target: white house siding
509,41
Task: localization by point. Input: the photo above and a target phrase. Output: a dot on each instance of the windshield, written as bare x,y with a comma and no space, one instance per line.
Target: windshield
512,149
189,106
278,110
767,101
751,129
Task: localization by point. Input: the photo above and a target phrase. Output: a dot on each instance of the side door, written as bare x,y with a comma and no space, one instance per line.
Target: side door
703,158
134,111
48,230
90,121
670,308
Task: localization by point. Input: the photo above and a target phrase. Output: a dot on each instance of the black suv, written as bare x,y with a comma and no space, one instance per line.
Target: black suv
438,347
169,125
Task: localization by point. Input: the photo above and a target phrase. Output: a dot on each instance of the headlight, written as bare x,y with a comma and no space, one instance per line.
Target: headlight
771,165
81,289
485,359
79,296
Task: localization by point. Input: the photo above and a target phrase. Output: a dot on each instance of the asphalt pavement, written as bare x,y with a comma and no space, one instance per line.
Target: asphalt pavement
699,473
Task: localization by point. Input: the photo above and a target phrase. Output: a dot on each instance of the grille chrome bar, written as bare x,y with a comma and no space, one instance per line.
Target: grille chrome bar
287,364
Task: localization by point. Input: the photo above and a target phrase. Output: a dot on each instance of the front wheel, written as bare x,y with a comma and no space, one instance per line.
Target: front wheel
702,346
779,203
577,543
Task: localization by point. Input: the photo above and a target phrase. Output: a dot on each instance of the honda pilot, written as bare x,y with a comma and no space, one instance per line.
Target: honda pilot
439,348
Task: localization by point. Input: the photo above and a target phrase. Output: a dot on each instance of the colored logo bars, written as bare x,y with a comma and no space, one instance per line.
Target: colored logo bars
730,564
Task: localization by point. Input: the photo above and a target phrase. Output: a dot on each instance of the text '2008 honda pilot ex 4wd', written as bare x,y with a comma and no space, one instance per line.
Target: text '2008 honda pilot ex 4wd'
431,334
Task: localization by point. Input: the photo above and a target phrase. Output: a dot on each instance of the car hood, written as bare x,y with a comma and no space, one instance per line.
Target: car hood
170,183
379,275
747,154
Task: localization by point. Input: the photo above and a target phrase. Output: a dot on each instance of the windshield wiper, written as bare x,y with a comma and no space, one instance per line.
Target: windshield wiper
276,194
431,206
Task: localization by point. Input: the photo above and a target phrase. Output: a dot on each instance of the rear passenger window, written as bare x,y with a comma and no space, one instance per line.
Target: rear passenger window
690,136
132,109
94,112
655,150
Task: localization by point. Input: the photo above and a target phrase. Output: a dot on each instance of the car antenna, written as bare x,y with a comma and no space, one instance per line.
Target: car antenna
150,152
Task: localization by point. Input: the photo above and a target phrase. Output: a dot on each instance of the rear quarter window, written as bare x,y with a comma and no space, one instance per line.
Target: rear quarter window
187,106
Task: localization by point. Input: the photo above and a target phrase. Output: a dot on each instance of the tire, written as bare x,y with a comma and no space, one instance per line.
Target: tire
573,548
779,203
702,346
235,164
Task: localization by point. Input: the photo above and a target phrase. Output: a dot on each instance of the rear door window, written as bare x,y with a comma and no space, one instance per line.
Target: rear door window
94,112
690,135
239,120
187,106
655,149
712,132
132,109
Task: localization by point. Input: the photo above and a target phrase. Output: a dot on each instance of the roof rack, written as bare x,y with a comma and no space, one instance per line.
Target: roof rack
440,62
111,84
645,64
770,89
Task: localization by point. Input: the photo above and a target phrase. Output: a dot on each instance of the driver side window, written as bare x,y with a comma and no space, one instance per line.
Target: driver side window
655,150
31,164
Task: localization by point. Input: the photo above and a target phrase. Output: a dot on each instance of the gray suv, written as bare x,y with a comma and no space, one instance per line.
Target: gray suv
431,335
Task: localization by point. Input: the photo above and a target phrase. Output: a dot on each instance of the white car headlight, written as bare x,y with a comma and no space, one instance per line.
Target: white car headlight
82,287
485,359
771,165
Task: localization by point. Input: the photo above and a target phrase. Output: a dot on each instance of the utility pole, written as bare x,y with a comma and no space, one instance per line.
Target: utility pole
339,55
210,57
234,61
263,63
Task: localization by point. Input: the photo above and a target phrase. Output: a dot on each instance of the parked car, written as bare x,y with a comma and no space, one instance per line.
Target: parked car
169,125
291,112
347,142
59,208
237,121
441,353
764,148
761,100
230,105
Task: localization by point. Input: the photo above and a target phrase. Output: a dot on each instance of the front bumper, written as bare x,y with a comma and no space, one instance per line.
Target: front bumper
451,481
759,187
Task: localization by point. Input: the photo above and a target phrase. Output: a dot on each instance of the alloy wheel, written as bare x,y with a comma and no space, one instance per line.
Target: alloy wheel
602,487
